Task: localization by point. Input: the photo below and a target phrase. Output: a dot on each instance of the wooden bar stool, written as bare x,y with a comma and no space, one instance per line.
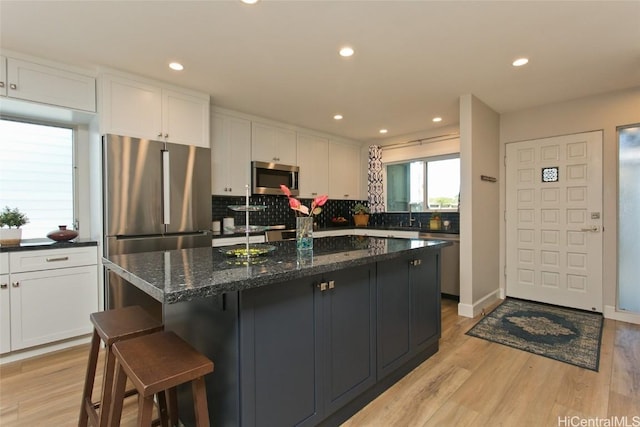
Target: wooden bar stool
156,364
110,326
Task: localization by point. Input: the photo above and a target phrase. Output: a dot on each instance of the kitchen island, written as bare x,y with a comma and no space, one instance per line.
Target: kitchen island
297,339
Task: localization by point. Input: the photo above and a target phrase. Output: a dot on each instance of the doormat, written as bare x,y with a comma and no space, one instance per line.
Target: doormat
564,334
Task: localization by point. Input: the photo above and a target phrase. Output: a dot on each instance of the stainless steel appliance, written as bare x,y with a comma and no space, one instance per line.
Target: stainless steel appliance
450,275
157,196
267,178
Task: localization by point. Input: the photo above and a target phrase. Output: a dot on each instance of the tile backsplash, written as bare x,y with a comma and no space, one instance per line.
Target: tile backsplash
278,212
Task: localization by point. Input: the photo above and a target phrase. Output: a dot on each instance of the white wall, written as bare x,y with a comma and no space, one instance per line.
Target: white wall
602,112
479,206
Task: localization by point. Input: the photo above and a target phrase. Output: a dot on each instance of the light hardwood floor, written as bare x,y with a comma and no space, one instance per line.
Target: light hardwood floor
469,382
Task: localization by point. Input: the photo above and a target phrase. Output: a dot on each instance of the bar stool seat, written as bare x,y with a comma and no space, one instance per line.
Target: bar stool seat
110,327
156,364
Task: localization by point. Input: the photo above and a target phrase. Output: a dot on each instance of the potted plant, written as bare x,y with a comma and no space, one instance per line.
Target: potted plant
360,215
12,219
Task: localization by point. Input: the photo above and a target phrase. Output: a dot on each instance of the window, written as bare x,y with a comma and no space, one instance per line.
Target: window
37,174
628,212
435,179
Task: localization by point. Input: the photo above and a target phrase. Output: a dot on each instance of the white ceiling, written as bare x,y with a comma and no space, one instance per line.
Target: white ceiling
278,59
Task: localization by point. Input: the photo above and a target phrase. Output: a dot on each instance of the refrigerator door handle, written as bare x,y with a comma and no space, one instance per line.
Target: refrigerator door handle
166,188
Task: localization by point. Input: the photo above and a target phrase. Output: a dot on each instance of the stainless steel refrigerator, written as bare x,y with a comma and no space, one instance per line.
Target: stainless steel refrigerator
157,196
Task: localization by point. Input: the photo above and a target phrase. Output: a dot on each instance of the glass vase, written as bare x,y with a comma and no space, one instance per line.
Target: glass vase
304,233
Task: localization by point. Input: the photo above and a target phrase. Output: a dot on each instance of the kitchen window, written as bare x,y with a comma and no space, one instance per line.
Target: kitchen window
424,185
37,174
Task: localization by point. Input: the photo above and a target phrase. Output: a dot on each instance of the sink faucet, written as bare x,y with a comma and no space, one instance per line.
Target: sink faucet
411,219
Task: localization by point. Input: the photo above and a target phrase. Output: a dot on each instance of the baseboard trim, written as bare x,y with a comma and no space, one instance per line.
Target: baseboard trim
43,349
472,310
610,312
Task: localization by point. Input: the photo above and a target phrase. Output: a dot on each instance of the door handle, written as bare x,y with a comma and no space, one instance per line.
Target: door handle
593,229
166,189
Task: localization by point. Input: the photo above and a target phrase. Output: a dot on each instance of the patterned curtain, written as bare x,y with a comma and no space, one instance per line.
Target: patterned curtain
376,192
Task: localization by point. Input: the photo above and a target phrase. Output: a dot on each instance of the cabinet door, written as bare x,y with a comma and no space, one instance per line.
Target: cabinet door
48,85
394,315
425,300
279,344
272,144
219,155
344,171
230,155
5,314
3,76
313,159
131,108
348,326
51,305
185,118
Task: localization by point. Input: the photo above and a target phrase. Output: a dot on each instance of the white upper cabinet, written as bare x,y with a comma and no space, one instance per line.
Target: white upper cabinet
185,118
344,171
313,160
273,144
230,155
45,84
130,108
141,108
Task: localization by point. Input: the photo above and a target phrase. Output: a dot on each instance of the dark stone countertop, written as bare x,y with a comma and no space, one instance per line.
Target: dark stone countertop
186,274
40,244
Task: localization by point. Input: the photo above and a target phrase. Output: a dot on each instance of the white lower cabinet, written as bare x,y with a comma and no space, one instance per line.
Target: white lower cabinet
5,313
229,241
49,296
398,234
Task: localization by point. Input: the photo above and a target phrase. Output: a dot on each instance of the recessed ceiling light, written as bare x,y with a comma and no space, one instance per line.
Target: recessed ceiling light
520,62
346,51
249,1
338,117
383,131
176,66
437,119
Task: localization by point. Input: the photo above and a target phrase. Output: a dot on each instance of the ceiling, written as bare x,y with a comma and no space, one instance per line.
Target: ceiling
279,60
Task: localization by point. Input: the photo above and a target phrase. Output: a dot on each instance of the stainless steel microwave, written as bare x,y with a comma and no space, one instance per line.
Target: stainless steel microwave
267,178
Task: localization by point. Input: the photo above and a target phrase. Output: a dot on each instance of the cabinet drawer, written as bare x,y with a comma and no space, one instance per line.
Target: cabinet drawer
229,241
52,259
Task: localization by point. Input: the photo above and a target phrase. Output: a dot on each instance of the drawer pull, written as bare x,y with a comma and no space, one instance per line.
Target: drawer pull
16,284
3,286
62,258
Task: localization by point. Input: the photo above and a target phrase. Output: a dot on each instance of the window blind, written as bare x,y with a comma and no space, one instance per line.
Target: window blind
36,174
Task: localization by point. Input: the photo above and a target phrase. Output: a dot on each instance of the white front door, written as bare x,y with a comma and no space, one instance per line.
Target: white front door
554,220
